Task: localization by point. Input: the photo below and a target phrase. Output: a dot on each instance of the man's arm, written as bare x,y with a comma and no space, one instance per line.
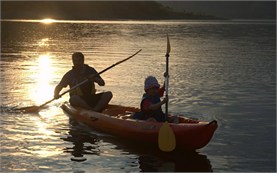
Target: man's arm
97,79
63,83
57,91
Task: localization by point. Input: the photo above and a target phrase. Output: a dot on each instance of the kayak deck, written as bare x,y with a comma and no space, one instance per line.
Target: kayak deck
125,113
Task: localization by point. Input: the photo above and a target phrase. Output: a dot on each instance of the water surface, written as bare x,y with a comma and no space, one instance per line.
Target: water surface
218,70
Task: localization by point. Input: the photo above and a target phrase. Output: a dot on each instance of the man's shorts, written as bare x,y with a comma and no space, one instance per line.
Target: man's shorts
92,99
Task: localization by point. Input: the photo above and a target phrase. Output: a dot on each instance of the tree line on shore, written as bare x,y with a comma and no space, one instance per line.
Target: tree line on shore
93,10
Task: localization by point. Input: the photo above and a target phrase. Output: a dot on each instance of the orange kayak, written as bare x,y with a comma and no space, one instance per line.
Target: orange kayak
116,120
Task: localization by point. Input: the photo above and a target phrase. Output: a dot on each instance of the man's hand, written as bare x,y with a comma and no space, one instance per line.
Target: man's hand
57,92
56,96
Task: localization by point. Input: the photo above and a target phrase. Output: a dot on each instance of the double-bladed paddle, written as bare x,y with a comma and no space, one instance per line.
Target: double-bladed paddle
166,138
31,109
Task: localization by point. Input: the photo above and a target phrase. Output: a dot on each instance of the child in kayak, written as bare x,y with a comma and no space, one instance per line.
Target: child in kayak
151,103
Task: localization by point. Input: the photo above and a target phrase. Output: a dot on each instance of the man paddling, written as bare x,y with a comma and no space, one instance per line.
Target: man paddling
84,96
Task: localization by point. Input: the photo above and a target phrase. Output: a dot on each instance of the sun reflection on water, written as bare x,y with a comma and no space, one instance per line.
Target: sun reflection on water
44,132
47,21
43,42
43,75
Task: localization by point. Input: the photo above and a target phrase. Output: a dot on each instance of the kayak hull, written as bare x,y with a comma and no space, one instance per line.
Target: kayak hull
116,120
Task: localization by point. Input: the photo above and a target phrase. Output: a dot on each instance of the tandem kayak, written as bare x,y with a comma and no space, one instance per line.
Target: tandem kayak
116,120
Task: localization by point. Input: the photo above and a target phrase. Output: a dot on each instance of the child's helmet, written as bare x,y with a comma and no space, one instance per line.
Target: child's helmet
151,82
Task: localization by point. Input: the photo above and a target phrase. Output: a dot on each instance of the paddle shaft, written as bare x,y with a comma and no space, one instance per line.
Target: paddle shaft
168,49
166,84
81,83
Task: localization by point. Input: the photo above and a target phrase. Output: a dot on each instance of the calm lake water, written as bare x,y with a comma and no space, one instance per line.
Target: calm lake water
222,70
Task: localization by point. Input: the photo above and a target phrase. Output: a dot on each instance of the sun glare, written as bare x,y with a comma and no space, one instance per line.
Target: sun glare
43,76
48,21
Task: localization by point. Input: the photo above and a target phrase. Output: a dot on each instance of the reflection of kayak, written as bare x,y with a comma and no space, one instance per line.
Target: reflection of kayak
190,134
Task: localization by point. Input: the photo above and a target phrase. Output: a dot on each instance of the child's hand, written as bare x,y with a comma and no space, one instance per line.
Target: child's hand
165,74
165,100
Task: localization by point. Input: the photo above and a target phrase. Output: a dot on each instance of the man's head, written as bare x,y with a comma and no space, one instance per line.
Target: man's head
78,60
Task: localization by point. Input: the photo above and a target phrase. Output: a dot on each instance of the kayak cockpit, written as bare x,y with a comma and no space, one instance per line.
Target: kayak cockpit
123,112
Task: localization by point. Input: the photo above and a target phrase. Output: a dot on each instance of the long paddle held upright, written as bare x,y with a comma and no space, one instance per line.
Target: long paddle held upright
167,141
31,109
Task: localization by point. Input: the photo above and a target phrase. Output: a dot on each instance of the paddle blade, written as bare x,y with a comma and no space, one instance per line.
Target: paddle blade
29,109
167,141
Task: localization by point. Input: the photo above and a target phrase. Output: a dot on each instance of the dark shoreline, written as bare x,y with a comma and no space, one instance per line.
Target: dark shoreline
95,10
